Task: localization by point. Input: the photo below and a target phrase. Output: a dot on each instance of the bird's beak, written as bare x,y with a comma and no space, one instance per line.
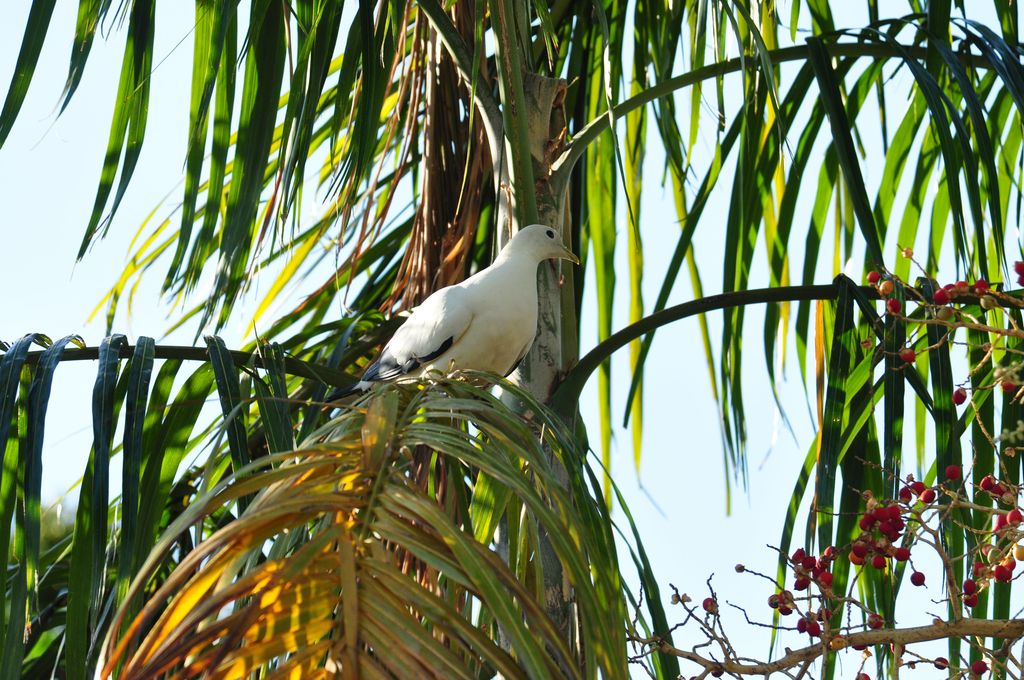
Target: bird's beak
569,255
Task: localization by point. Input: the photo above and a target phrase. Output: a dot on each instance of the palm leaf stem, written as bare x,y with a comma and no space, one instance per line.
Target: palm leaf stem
511,66
293,366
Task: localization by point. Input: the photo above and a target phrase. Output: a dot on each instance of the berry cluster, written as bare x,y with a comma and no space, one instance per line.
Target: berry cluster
885,539
951,291
1004,493
940,301
925,494
893,532
970,592
808,569
889,531
882,527
942,296
1006,385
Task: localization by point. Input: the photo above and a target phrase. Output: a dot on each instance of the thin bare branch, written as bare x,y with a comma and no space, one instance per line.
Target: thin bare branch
1007,629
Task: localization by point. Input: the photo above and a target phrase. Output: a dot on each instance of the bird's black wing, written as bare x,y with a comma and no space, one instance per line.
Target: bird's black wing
388,367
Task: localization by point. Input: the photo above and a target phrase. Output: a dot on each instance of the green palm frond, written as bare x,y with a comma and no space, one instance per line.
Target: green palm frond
429,129
362,541
60,598
425,477
379,97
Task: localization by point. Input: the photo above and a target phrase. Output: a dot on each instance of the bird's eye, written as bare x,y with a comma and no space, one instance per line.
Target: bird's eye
551,234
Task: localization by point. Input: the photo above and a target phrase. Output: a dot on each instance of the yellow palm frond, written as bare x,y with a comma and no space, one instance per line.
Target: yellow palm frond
349,562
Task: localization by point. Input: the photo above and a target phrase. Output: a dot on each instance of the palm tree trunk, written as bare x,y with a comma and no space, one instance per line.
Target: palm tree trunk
555,348
534,126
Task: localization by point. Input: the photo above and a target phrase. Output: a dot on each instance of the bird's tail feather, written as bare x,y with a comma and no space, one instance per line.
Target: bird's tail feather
342,392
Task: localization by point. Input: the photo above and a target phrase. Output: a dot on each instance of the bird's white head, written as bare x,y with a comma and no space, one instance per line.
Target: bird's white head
540,242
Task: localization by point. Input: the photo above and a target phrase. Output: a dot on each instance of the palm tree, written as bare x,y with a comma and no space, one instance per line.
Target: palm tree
431,531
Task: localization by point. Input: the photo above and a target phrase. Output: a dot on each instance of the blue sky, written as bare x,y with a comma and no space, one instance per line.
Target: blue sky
50,166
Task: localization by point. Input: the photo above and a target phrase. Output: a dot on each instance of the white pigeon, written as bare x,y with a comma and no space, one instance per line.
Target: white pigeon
485,323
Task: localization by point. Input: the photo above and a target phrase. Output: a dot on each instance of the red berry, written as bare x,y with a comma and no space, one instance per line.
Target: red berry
829,552
970,587
1008,387
878,562
908,355
952,472
801,583
941,662
855,558
1002,573
980,286
940,297
901,554
866,522
917,487
860,549
987,483
813,628
773,601
874,277
971,600
710,605
979,667
888,530
785,611
798,555
906,494
1020,280
893,305
875,621
928,496
959,396
917,578
863,676
801,625
825,579
809,562
1014,517
1018,268
893,511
